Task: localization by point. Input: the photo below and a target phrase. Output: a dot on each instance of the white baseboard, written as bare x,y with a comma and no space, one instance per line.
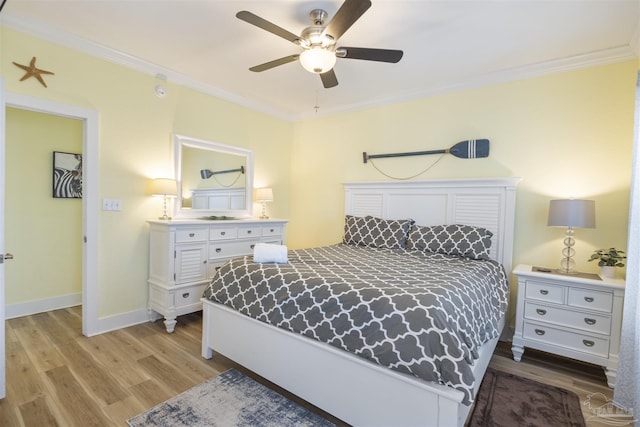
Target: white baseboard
105,324
119,321
41,305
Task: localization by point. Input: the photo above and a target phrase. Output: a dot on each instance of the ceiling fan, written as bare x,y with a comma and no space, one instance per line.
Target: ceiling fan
319,41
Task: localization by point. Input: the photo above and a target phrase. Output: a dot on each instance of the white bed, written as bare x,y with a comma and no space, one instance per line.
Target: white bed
351,388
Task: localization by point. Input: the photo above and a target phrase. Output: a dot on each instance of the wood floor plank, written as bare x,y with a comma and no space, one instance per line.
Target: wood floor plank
37,413
125,371
150,393
94,376
43,353
79,407
166,373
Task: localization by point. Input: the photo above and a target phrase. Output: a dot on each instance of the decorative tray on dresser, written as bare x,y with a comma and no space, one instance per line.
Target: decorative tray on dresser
185,254
572,315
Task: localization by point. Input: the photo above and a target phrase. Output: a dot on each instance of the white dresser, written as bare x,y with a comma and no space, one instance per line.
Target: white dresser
185,254
576,316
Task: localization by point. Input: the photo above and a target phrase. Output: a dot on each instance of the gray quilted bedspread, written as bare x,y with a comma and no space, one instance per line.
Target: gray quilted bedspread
419,313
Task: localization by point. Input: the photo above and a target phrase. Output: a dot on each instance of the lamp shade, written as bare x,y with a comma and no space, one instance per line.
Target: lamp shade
572,213
264,195
163,187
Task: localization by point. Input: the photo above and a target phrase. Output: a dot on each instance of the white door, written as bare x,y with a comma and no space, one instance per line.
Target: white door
3,387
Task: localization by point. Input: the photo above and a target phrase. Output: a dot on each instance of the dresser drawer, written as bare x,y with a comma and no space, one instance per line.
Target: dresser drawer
567,339
544,292
218,250
574,319
188,297
271,230
223,233
192,235
593,300
244,232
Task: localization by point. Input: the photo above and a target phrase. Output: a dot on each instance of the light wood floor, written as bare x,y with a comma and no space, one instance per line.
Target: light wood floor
57,377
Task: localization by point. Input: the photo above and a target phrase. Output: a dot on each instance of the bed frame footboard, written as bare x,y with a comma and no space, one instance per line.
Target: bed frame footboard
353,389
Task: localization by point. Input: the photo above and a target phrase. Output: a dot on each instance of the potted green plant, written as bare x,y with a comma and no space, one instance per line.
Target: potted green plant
608,260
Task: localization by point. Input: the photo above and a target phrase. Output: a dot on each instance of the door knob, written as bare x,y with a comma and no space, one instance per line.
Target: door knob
5,256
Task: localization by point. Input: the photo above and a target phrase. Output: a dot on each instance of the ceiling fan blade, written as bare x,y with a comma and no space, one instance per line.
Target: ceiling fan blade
274,63
329,79
266,25
382,55
349,12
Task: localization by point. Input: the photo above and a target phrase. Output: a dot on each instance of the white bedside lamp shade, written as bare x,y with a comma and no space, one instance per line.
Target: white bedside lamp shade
571,213
264,195
164,187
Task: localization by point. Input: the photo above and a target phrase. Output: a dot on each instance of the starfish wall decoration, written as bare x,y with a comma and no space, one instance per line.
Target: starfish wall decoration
33,71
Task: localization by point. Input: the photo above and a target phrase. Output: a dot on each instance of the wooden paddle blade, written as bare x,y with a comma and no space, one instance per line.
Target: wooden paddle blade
471,149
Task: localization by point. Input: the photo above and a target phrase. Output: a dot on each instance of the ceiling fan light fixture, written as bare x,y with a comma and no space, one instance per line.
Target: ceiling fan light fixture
317,60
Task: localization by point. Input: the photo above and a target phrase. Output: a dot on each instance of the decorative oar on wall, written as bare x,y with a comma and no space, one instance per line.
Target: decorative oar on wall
471,149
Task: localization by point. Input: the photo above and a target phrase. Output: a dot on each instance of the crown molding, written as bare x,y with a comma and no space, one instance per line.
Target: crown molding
120,58
586,60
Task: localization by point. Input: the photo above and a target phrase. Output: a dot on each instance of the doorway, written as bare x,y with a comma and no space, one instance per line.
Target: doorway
90,200
44,232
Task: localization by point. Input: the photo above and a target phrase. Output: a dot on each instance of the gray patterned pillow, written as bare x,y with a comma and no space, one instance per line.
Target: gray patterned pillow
461,240
376,232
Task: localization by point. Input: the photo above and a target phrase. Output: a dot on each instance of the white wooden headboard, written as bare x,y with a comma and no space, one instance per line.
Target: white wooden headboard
482,202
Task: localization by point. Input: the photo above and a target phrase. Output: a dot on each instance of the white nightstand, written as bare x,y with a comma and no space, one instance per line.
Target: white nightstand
577,316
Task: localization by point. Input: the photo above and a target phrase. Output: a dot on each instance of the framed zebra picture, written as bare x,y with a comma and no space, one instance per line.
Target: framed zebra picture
67,175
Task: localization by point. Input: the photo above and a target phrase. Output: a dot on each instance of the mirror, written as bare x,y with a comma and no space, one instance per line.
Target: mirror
213,179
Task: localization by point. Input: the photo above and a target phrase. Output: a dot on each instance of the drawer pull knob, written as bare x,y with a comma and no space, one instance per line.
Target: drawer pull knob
253,246
539,332
217,268
588,343
222,233
589,321
218,250
248,231
185,295
588,299
541,312
192,234
271,231
544,291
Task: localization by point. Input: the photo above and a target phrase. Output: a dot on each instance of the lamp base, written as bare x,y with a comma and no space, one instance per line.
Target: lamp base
264,211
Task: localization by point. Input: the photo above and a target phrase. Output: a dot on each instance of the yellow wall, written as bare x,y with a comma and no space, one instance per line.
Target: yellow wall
43,233
136,131
566,135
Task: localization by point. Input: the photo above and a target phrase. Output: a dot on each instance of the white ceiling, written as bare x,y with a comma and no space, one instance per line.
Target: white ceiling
447,44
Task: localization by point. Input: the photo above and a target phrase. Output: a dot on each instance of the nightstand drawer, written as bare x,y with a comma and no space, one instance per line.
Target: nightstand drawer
192,235
574,319
567,339
545,292
593,300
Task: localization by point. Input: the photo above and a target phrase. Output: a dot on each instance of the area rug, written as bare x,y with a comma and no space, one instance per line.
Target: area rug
230,399
508,400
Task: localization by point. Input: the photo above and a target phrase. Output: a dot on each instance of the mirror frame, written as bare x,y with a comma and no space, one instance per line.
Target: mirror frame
180,141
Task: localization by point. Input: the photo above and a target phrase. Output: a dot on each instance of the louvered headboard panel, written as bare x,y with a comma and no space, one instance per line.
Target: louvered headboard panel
482,202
